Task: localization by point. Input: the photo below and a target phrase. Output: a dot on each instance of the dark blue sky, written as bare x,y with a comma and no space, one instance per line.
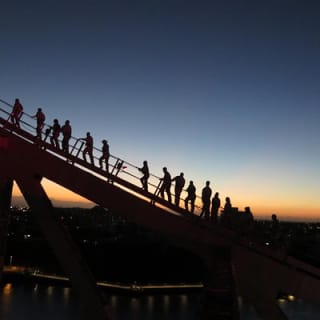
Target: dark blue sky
222,90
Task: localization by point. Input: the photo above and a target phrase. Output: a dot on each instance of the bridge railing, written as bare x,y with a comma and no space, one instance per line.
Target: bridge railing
117,166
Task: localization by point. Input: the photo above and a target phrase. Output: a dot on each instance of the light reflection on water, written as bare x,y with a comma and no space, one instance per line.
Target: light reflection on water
26,301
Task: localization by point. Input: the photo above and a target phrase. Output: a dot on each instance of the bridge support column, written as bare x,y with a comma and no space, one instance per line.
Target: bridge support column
268,309
259,281
64,248
6,185
220,301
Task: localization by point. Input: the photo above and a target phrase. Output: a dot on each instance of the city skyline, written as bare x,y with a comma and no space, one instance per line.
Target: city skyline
225,92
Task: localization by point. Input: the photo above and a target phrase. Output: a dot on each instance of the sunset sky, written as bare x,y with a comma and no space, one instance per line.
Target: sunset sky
226,91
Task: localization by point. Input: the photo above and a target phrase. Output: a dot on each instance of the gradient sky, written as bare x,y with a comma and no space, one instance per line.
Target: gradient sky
226,91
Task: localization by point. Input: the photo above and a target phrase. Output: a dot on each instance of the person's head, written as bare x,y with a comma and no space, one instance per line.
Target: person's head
216,194
145,162
181,174
207,183
67,122
164,169
88,134
55,120
17,100
39,109
191,182
228,199
104,141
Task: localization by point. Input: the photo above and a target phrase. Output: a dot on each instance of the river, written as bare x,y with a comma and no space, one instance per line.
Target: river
20,301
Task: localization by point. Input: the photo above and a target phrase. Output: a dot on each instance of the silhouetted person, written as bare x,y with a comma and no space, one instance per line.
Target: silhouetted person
226,215
179,184
56,128
145,177
248,214
215,205
40,117
66,132
275,224
105,155
166,184
16,113
206,200
247,219
88,149
275,229
227,206
191,197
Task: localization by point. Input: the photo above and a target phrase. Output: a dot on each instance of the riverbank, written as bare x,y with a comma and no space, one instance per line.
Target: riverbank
24,274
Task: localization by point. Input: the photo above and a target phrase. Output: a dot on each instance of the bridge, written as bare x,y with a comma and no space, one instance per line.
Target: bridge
253,271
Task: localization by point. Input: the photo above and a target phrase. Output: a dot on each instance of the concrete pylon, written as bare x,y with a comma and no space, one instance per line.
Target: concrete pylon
268,309
6,185
64,248
258,282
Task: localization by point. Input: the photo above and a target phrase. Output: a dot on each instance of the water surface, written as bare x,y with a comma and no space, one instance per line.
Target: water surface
38,302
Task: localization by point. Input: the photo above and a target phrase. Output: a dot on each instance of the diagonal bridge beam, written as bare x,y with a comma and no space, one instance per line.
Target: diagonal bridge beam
64,248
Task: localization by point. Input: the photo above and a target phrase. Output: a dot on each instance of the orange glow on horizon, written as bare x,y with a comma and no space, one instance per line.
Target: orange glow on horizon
58,195
284,208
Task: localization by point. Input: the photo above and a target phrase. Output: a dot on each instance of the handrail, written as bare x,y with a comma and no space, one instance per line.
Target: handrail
116,165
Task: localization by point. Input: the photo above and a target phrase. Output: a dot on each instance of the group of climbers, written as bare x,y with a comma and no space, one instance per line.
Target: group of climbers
55,131
210,206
